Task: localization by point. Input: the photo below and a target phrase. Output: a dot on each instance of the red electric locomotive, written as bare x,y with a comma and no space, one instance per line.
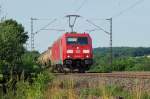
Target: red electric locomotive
73,51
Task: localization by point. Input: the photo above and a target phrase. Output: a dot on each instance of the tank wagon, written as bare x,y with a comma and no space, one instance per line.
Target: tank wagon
71,51
45,58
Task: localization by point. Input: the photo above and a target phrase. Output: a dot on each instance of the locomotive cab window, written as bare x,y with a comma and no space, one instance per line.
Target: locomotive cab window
77,40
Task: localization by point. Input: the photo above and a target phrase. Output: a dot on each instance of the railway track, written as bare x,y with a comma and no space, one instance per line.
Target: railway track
138,75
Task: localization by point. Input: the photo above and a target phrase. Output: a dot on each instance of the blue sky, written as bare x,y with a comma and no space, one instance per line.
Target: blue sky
129,29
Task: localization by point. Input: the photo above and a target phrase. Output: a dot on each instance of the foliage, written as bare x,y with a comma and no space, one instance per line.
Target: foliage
101,64
12,38
124,59
101,69
1,93
112,90
25,90
14,58
66,89
124,51
29,61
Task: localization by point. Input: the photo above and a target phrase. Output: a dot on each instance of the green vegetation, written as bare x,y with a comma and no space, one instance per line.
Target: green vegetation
124,51
68,89
1,77
25,90
124,59
113,91
29,61
22,77
12,40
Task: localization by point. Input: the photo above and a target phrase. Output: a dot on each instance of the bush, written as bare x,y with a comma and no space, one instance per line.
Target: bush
101,69
25,90
121,64
29,61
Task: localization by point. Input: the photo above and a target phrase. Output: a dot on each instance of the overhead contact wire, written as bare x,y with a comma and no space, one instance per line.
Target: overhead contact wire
82,4
127,9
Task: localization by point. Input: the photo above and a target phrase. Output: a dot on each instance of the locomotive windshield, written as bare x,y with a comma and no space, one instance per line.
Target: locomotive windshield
77,40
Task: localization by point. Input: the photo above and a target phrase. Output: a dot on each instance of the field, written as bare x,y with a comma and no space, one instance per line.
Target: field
98,87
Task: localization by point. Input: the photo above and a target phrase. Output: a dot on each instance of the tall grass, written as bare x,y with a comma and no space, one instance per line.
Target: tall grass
26,90
69,89
62,90
138,92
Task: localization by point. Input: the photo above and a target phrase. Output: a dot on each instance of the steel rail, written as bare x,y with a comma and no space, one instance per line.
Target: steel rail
112,75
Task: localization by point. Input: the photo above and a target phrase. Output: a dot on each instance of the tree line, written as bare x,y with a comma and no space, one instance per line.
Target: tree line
124,59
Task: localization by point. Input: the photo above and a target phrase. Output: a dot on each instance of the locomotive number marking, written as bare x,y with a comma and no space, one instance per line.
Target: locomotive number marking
78,51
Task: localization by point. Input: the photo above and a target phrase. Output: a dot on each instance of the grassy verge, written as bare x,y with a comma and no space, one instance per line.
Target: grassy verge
26,90
111,92
69,89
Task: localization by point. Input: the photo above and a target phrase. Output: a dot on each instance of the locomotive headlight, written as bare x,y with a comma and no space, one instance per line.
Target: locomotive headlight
87,56
69,51
68,56
86,51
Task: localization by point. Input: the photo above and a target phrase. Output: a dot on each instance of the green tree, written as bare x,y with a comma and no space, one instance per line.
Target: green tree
29,61
12,39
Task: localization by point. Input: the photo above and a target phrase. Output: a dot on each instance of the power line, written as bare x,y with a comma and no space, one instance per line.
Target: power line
33,33
82,4
53,29
109,33
46,26
127,9
100,28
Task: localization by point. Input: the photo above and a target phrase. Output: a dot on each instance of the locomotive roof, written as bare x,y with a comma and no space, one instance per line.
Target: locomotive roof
76,34
72,34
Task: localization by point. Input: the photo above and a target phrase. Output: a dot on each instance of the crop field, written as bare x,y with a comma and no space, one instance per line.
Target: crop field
77,86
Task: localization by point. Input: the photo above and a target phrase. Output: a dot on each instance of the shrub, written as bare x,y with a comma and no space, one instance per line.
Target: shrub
101,69
25,90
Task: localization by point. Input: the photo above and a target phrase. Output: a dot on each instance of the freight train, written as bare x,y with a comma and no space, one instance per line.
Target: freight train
71,51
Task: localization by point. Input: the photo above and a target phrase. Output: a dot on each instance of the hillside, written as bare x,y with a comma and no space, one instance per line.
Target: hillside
124,51
124,59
